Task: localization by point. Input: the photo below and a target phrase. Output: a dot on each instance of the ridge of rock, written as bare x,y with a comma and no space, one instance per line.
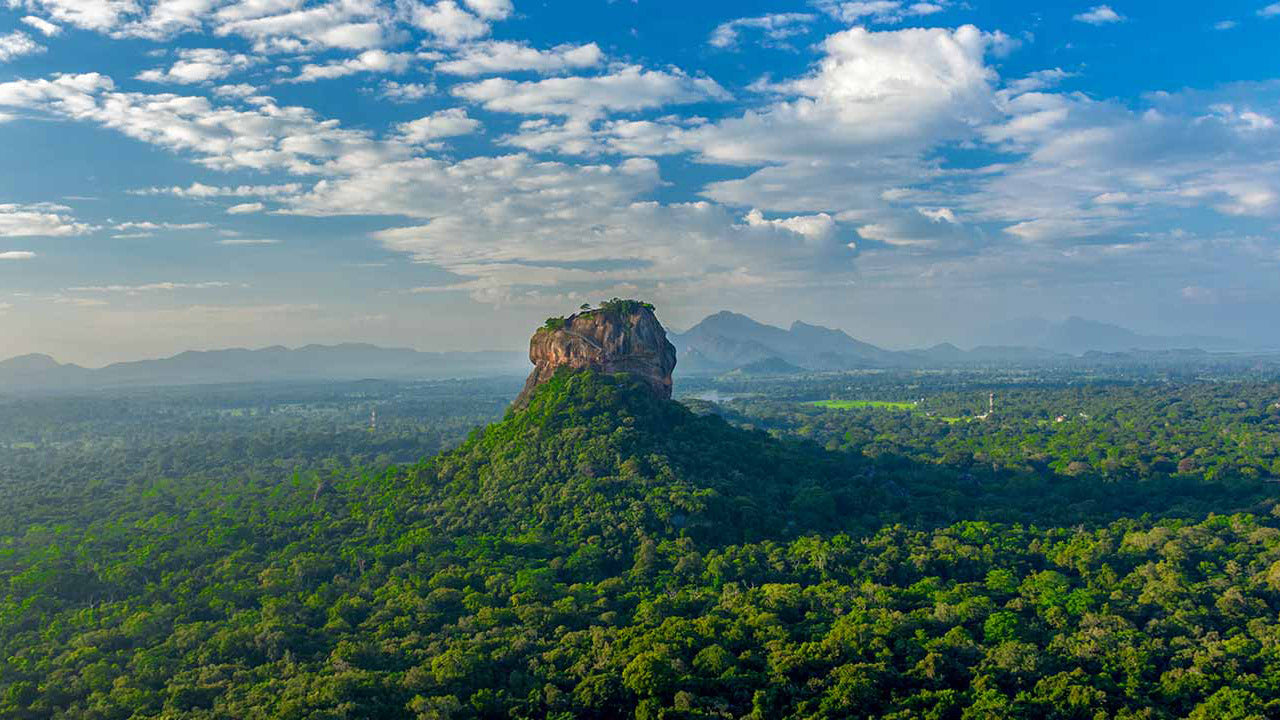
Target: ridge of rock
622,337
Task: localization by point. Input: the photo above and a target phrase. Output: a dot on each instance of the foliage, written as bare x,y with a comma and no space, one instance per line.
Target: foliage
606,554
618,306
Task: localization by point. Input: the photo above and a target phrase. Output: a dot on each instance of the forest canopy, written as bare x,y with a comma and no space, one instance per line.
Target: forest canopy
603,553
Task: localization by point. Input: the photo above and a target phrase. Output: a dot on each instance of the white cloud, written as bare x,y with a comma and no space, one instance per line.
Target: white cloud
1225,24
1270,11
246,208
266,137
202,191
404,92
16,44
40,220
883,92
150,226
629,88
151,287
239,90
1039,80
248,242
491,9
496,57
445,123
44,27
373,61
938,214
197,66
816,227
776,28
1099,15
512,229
100,15
289,26
880,11
16,255
447,22
1097,169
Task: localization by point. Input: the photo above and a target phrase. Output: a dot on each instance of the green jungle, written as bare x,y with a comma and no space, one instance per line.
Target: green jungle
1095,548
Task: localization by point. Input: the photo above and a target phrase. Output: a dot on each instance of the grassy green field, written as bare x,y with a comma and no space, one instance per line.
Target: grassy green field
880,405
849,404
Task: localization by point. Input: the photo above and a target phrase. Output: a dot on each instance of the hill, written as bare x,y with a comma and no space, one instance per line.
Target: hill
349,361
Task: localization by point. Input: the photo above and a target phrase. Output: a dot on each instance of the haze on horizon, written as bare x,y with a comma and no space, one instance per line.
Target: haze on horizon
443,174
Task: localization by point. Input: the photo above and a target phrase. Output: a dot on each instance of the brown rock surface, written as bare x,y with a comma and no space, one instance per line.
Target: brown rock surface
605,341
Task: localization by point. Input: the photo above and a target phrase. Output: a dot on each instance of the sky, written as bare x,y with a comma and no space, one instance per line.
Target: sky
444,174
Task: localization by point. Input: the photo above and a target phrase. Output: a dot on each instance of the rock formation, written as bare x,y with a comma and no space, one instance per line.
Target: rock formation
621,337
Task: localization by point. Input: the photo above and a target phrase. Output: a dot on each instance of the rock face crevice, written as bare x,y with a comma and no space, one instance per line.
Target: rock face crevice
606,341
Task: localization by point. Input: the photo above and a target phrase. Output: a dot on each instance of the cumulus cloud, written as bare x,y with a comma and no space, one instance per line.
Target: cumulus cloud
448,23
626,89
509,226
151,287
202,191
369,61
44,27
40,220
404,92
1096,169
15,255
775,28
16,44
198,66
442,124
272,26
879,11
246,208
266,137
816,227
497,57
1099,15
151,226
100,15
1270,11
873,94
938,214
491,9
293,27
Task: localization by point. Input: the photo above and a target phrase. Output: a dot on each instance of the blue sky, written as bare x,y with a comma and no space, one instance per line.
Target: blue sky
443,174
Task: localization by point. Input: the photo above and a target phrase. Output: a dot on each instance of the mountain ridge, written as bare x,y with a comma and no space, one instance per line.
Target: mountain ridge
722,342
343,361
726,341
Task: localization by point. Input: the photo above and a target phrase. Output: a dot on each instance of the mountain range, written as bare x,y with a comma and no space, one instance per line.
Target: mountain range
722,342
728,341
312,362
1077,335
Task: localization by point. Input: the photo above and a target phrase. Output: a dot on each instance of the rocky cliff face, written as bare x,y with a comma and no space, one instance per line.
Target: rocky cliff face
606,341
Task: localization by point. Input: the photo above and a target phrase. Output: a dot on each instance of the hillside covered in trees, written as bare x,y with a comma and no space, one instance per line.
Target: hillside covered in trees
608,553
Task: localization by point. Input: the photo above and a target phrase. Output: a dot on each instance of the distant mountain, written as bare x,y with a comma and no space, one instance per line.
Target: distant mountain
726,341
768,366
1077,336
313,362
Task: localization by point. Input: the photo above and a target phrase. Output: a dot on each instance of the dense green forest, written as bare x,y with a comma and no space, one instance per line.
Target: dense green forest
605,554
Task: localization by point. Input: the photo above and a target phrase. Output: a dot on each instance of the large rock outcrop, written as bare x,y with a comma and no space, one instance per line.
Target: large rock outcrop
622,337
